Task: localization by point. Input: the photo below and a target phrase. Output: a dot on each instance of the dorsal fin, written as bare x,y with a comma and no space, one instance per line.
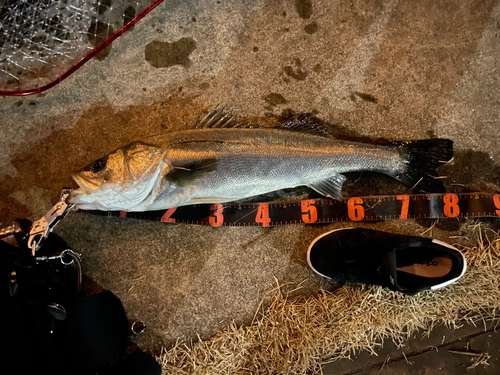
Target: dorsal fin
219,118
306,123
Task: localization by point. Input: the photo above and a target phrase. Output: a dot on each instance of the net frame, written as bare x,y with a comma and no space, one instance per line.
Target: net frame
79,62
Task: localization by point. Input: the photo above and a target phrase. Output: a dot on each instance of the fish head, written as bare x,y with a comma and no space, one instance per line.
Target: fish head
121,180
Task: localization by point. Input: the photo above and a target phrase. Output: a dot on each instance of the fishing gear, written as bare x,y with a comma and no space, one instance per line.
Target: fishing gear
44,226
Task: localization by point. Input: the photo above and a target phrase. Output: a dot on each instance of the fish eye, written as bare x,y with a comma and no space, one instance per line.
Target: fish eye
98,166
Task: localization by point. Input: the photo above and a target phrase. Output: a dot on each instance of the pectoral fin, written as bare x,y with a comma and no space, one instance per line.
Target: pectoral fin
331,187
192,173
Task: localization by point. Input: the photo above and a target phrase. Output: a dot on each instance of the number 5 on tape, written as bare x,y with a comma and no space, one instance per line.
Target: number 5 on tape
309,211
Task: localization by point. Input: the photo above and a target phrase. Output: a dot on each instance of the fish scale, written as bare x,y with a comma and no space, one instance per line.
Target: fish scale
280,159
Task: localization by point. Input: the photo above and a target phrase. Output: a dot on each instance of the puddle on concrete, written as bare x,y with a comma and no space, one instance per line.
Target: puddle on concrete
363,96
304,8
311,28
164,54
297,74
274,99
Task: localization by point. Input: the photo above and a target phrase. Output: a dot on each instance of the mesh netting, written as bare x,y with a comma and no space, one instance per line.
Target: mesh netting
42,39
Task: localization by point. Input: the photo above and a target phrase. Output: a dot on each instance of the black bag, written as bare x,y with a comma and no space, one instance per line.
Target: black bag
49,329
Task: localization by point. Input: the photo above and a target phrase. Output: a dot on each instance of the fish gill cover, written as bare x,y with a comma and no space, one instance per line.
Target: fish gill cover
42,39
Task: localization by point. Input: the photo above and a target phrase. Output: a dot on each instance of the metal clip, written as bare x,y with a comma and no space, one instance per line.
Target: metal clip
136,328
67,257
42,228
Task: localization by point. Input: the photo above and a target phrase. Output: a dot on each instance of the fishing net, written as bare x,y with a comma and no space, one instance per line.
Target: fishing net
43,41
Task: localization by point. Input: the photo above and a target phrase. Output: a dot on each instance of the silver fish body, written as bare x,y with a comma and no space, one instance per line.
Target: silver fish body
256,161
221,165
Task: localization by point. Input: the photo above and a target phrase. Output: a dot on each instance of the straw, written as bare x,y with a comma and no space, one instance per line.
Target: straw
298,336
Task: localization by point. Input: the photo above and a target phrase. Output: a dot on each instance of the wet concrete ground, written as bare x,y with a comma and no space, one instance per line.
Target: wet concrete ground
397,70
442,351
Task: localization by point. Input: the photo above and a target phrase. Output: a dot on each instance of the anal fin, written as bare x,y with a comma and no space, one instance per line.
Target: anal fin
331,187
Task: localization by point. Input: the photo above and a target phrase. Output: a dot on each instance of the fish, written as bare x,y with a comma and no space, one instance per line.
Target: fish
221,159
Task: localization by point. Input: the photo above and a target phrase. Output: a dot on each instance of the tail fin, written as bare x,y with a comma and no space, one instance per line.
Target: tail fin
421,159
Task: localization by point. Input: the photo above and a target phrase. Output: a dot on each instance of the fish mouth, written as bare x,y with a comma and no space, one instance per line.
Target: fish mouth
86,185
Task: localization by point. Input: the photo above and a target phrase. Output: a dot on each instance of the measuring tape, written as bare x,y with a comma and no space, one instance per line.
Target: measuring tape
324,211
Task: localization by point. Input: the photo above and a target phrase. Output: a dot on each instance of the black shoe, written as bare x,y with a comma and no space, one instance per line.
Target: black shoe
401,263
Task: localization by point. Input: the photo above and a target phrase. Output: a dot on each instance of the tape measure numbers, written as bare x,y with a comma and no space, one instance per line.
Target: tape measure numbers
322,211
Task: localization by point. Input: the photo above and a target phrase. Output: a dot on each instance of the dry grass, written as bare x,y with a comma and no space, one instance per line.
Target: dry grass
298,336
481,359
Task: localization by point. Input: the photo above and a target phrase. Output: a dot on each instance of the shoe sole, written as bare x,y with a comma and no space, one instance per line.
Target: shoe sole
442,285
435,287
